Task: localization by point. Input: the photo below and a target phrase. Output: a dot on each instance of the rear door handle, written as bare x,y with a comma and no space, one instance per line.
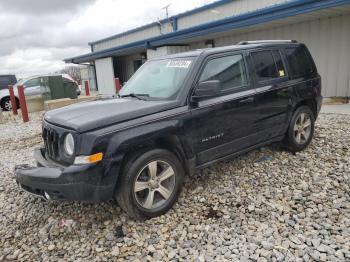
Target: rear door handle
247,100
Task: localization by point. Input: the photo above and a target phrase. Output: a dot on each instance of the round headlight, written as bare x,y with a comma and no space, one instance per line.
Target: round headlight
69,144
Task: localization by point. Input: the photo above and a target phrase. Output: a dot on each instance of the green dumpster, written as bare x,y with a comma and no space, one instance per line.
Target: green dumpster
56,87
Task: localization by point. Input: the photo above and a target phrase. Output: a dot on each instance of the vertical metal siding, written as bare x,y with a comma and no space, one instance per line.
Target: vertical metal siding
177,49
327,39
230,9
133,37
166,50
234,8
105,75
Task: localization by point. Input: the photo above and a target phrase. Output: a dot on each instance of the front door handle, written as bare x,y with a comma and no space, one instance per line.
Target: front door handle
247,100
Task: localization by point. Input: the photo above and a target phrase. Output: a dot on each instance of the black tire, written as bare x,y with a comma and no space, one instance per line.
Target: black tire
137,166
292,141
6,100
4,103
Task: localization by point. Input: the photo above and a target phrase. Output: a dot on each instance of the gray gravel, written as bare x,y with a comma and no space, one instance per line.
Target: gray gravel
268,205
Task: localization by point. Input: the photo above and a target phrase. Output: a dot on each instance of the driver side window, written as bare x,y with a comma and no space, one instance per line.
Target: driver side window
33,82
229,70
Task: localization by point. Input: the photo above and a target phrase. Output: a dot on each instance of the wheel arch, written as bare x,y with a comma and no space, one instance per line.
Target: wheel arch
310,102
173,143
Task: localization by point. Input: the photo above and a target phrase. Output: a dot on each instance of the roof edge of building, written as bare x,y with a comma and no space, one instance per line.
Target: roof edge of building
166,20
267,14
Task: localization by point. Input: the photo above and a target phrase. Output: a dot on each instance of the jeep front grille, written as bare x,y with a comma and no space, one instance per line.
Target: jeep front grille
51,141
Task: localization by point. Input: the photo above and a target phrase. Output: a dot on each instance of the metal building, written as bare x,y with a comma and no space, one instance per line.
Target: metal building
323,25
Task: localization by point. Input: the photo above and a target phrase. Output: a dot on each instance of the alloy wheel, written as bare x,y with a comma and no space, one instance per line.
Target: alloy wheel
154,184
8,105
302,128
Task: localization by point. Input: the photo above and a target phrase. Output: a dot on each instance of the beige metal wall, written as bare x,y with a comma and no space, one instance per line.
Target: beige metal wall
230,9
88,74
166,50
133,37
234,8
105,76
328,40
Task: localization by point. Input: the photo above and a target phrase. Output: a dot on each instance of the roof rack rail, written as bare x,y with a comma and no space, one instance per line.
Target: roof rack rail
266,42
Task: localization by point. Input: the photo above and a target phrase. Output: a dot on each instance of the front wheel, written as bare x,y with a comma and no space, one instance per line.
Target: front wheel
6,104
301,129
150,184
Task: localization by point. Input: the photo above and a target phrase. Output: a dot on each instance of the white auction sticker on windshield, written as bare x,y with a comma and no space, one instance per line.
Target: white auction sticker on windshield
179,63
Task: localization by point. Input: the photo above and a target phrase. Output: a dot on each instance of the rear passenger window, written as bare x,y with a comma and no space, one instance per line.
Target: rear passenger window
268,65
229,70
299,61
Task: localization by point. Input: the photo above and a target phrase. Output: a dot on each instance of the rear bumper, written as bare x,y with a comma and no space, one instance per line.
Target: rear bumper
90,183
319,104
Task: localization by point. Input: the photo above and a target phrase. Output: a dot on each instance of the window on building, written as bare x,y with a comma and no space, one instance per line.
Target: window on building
268,65
299,61
229,70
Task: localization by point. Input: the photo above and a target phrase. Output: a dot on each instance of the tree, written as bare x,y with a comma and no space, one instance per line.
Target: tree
73,71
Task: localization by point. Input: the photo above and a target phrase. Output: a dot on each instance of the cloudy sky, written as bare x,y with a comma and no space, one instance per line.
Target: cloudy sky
35,35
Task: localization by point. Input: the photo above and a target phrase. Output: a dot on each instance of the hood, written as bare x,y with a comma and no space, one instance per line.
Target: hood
86,116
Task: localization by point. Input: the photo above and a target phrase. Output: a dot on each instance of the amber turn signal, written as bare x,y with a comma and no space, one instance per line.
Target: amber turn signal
80,160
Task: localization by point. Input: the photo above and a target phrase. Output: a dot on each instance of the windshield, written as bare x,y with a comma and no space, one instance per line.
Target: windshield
160,79
22,81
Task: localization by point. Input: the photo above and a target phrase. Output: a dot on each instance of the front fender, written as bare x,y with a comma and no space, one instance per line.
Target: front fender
119,139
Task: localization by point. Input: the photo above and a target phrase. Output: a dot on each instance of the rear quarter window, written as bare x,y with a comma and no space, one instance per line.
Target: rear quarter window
268,65
299,60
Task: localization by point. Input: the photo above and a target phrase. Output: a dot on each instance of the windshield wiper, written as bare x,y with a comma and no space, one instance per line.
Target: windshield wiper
138,96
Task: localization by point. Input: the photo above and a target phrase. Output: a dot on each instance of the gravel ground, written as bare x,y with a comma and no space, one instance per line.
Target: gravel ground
268,205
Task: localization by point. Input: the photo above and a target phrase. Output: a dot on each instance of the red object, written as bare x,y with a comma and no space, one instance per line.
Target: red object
13,100
23,104
87,90
117,85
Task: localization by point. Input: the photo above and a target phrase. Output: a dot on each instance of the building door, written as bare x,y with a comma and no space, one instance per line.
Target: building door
105,76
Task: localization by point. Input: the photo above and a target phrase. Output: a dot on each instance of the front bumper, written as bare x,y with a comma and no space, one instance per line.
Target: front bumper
92,183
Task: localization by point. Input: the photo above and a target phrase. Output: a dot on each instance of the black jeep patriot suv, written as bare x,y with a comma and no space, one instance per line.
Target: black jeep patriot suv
176,114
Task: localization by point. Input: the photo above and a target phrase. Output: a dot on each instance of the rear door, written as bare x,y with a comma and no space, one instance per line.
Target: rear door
224,124
303,73
272,92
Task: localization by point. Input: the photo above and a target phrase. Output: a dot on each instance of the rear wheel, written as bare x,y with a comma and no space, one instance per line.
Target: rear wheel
301,129
150,184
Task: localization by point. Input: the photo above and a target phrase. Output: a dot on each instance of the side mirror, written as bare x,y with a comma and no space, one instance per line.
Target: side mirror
206,89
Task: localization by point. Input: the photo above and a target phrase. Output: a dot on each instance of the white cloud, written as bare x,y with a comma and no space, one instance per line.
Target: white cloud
35,40
33,61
